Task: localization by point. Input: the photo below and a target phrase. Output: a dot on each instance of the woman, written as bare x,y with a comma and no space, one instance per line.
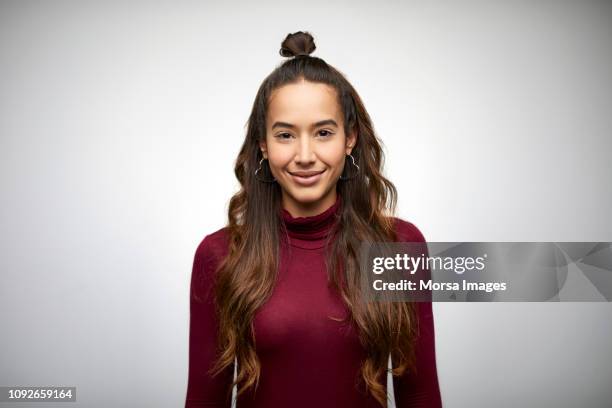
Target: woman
277,289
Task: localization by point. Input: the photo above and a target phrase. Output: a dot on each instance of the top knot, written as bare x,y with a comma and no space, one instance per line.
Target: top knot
298,44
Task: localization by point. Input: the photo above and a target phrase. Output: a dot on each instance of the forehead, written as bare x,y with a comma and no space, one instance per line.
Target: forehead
303,103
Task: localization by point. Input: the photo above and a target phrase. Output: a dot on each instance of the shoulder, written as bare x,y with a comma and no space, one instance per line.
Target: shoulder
209,253
407,231
212,248
215,242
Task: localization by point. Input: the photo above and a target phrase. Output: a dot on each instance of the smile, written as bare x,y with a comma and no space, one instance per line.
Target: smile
306,178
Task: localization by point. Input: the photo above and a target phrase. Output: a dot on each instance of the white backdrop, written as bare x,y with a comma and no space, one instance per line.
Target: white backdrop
120,123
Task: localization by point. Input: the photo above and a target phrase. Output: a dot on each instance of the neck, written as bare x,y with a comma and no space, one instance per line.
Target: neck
311,232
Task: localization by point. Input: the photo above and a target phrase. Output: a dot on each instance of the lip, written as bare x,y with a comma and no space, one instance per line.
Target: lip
306,178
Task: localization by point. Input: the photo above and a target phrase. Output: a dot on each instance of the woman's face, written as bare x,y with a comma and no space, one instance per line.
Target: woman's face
306,146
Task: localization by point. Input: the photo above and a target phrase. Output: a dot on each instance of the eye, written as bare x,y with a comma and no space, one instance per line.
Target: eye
326,133
281,136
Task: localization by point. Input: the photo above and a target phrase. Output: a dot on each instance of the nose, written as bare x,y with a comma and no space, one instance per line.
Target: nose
305,154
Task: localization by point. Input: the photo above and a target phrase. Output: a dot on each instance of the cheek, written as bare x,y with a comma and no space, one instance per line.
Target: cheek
335,162
279,160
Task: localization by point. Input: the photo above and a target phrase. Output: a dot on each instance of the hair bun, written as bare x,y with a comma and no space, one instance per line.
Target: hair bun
300,43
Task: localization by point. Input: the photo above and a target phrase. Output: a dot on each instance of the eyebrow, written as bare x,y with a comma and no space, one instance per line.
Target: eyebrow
319,123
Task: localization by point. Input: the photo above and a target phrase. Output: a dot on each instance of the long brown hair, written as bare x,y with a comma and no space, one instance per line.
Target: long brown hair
245,278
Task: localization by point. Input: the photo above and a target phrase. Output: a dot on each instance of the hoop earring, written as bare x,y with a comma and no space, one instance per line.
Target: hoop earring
342,177
262,179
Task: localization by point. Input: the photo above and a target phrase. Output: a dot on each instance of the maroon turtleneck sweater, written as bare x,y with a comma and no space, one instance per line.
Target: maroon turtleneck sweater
307,359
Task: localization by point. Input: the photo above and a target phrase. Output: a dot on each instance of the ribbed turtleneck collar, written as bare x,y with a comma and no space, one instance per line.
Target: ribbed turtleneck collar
311,232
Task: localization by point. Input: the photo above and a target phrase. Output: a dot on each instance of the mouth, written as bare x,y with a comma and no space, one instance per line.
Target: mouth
306,178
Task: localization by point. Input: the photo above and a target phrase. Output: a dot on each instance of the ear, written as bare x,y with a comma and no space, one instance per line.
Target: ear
264,148
351,140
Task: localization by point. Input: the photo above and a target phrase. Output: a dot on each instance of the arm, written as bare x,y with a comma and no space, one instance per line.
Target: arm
203,390
420,388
